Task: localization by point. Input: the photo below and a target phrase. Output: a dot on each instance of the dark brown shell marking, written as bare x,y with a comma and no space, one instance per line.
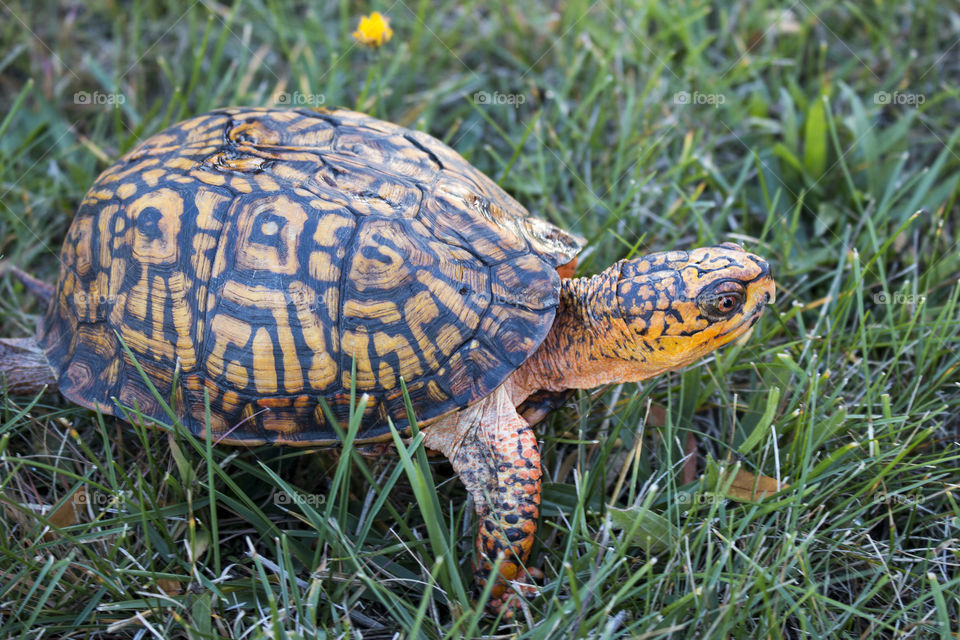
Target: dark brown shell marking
264,250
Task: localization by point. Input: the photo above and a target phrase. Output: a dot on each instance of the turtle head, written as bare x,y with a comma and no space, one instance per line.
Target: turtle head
681,305
644,316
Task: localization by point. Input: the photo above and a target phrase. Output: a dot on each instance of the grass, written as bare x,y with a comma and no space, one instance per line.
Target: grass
823,137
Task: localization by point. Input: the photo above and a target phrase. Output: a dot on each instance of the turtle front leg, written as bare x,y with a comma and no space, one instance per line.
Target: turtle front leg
496,455
511,505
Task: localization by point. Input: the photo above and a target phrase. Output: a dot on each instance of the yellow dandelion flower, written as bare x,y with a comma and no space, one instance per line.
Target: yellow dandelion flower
374,30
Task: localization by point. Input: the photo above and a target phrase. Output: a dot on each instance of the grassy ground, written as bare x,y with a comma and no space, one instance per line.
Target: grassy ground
823,137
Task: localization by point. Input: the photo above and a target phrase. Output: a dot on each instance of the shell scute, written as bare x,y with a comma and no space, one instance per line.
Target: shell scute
258,256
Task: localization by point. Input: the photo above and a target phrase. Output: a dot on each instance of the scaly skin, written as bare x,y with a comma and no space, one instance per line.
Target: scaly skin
640,318
496,455
635,320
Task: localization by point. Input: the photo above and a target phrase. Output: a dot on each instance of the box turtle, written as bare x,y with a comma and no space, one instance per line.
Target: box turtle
256,256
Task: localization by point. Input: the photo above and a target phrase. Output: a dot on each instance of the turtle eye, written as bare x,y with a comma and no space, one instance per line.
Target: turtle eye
722,299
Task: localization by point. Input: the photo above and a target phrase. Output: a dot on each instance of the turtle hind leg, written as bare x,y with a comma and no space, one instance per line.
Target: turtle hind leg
496,455
24,369
37,288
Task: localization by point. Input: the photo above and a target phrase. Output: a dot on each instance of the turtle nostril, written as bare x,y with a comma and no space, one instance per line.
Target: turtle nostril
771,292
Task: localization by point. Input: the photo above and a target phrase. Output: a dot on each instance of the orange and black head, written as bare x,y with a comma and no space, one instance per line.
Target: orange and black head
678,306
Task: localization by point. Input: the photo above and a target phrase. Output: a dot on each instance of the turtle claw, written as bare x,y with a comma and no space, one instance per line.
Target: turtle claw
534,574
514,592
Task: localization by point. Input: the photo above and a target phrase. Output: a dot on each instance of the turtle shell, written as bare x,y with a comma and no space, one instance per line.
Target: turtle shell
247,260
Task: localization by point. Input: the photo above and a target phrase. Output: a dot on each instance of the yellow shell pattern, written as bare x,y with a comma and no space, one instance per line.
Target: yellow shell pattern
254,256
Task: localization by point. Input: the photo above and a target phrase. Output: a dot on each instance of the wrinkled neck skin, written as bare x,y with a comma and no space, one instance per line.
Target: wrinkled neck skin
589,344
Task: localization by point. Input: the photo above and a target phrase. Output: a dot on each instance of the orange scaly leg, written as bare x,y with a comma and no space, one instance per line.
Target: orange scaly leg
496,455
508,519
